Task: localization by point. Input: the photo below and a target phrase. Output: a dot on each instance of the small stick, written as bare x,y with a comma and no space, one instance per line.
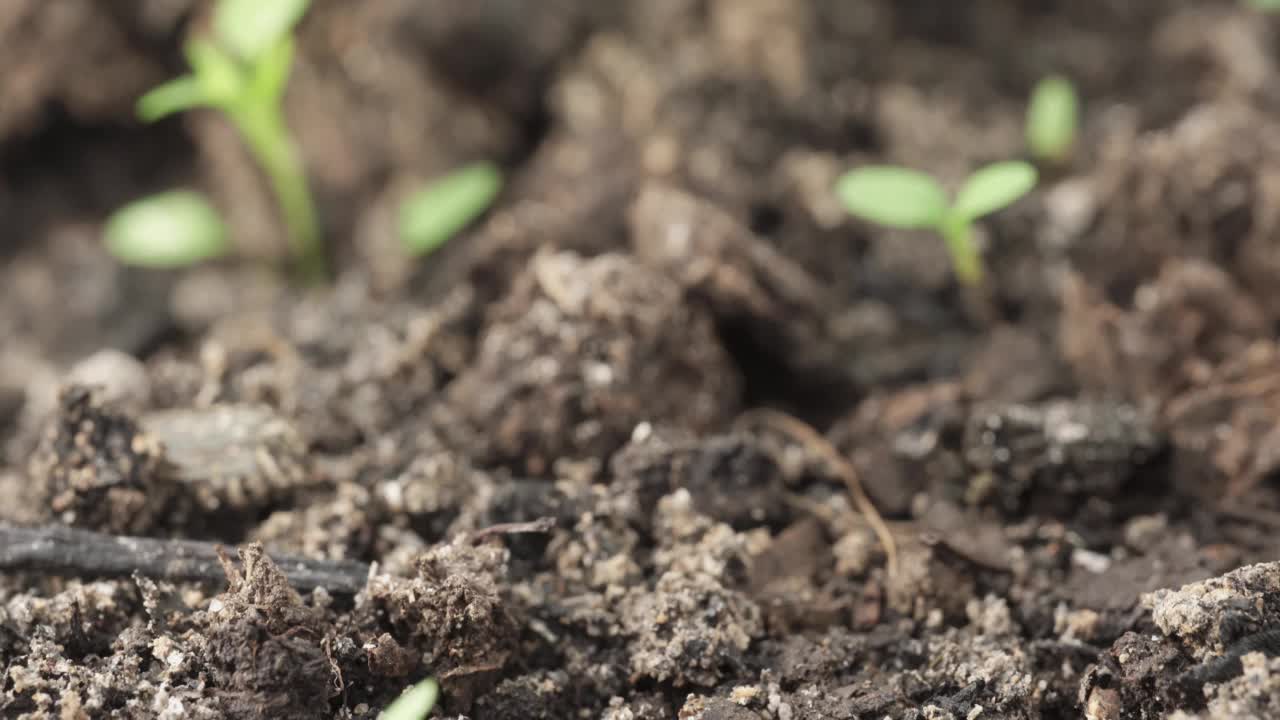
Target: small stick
804,434
63,550
541,525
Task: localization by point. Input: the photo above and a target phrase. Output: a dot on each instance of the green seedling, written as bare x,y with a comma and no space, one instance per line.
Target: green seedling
1263,5
241,70
907,199
1052,119
415,703
437,212
170,230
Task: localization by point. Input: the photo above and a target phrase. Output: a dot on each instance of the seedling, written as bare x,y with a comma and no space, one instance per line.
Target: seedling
1052,119
903,198
437,212
416,702
242,69
1263,5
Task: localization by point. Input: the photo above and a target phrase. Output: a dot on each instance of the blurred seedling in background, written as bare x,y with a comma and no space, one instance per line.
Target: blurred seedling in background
1053,118
241,68
902,198
438,211
416,702
1263,5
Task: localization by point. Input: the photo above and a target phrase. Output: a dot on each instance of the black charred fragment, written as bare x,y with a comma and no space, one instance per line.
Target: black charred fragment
1062,447
81,553
1228,666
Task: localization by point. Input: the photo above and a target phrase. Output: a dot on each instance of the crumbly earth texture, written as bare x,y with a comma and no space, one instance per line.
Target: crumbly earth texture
542,446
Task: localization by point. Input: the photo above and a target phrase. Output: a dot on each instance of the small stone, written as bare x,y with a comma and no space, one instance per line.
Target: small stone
118,378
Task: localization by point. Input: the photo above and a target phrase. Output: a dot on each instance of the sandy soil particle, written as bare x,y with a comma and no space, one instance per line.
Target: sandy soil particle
690,627
454,613
1183,321
263,646
1071,448
743,278
597,345
231,457
1224,210
657,462
1208,616
1252,695
1224,425
98,468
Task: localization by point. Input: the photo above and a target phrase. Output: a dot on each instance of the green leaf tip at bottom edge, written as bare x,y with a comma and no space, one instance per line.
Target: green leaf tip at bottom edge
893,196
994,187
415,703
170,230
437,212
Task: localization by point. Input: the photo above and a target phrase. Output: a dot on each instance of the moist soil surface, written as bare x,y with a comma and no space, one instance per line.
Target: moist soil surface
666,434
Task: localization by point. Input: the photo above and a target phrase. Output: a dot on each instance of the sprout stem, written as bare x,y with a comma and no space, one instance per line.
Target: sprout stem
267,135
958,234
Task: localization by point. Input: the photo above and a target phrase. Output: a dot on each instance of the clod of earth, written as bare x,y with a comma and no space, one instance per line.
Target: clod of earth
538,465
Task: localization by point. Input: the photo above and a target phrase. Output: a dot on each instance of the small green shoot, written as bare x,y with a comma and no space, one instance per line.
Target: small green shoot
169,230
415,703
242,71
902,198
437,212
1052,119
1263,5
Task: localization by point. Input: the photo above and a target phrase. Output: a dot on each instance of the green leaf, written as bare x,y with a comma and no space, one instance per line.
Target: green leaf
271,71
415,703
1052,118
439,211
174,96
992,188
249,28
893,196
170,230
221,78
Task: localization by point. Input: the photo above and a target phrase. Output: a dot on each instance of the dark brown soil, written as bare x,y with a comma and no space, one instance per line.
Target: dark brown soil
669,341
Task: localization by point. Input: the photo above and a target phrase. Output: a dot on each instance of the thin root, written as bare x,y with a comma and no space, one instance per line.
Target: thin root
801,432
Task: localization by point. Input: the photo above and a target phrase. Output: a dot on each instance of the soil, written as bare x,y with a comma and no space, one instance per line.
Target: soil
667,434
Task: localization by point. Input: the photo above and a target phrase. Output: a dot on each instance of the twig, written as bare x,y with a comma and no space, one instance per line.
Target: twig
541,525
83,553
804,434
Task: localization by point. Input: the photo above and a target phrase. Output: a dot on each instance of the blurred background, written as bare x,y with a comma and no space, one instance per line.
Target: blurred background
755,105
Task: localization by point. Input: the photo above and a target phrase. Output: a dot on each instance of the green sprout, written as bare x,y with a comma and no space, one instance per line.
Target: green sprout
908,199
242,70
1052,119
415,703
1263,5
437,212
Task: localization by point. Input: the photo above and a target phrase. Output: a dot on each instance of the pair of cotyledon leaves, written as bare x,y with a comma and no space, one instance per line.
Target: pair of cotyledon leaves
903,198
